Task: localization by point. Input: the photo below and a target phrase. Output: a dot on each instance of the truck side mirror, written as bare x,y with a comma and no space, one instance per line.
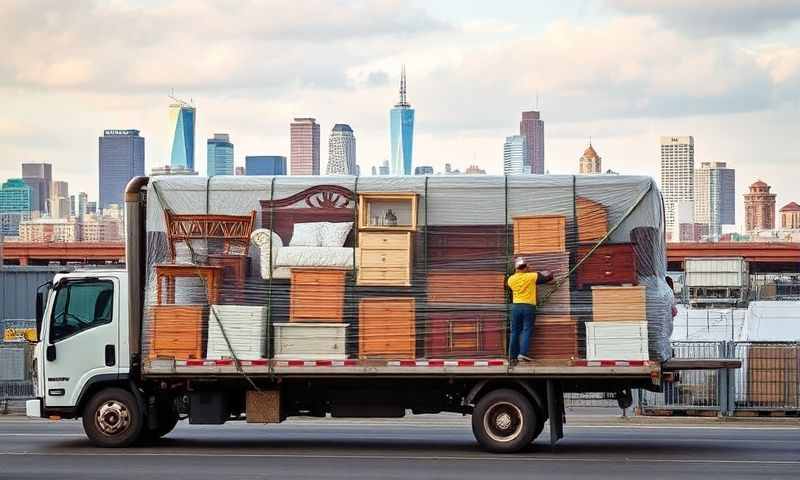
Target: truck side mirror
41,300
51,353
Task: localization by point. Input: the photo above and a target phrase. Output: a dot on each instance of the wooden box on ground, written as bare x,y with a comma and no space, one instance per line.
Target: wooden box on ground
619,304
611,264
178,331
471,247
317,295
310,341
264,407
384,258
555,337
466,286
616,341
773,375
539,234
245,327
386,327
464,333
592,219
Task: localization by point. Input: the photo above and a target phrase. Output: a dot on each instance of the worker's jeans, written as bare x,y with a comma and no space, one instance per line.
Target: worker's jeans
523,316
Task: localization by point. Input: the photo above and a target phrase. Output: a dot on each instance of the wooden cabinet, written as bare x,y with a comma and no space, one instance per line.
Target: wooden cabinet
616,341
539,234
475,247
387,211
317,295
465,333
466,287
386,327
612,264
310,341
592,219
619,304
178,331
555,337
384,258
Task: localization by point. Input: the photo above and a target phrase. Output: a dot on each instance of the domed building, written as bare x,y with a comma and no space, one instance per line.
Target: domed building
590,161
759,207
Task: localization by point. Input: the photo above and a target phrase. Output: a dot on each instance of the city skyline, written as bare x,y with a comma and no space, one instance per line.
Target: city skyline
731,88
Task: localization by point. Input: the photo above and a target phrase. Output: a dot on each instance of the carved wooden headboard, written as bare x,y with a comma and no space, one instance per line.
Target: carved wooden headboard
320,203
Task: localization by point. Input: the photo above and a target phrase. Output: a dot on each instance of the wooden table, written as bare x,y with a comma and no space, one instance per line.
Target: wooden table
234,272
166,275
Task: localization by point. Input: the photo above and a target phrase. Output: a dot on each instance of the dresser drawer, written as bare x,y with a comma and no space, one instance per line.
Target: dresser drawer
384,276
385,240
386,327
608,265
384,258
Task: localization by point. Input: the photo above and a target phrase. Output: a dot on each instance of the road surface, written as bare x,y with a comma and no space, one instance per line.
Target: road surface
440,447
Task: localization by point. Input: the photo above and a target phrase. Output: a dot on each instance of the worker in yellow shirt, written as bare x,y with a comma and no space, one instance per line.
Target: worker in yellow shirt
523,310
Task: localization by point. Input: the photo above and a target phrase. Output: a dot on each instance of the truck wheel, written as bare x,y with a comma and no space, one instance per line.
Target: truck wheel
166,424
504,421
112,418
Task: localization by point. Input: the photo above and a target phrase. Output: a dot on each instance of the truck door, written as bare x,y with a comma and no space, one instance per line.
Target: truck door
82,338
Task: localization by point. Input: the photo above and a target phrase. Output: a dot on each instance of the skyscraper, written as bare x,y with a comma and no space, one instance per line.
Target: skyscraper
304,152
715,196
59,200
341,151
759,207
39,176
677,173
590,162
121,158
16,202
423,170
515,155
532,128
401,132
265,165
83,205
220,155
181,134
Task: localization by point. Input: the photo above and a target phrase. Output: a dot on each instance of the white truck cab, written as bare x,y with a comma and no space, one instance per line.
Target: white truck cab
83,340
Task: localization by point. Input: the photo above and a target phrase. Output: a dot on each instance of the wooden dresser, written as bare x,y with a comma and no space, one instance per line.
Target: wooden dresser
384,258
458,286
468,247
592,219
612,264
386,328
619,304
465,333
178,331
539,234
317,295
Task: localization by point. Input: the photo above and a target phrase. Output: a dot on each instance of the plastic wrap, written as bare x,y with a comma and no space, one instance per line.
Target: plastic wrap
398,268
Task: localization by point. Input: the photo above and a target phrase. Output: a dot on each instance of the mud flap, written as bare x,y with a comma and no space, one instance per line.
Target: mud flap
555,410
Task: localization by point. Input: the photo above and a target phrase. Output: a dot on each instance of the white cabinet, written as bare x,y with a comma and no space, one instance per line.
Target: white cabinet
616,341
310,341
246,329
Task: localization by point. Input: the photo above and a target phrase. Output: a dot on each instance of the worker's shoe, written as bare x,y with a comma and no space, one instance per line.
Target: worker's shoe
524,358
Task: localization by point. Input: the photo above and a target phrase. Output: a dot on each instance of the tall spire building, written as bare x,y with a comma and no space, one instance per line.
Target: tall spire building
401,132
532,128
181,132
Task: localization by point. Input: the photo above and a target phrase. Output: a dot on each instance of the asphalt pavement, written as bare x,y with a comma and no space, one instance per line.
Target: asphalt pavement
440,447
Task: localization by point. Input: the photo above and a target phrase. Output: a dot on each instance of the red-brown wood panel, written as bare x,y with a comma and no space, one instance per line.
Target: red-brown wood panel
465,334
555,337
612,264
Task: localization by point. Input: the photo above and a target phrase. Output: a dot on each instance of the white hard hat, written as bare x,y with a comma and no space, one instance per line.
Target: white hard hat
519,262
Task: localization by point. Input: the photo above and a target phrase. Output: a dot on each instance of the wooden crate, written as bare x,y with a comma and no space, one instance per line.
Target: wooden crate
619,304
539,234
386,328
178,331
611,264
465,333
773,375
317,295
555,337
310,341
592,219
384,258
264,407
462,286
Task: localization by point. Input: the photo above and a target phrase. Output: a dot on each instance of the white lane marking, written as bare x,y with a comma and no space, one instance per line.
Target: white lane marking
503,458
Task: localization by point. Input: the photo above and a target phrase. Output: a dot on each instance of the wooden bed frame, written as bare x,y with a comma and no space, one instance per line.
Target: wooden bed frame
320,203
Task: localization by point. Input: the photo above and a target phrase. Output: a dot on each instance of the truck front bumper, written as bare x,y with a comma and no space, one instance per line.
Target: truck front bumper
33,408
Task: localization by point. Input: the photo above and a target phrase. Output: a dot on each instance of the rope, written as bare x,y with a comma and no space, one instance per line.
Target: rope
505,278
425,231
271,274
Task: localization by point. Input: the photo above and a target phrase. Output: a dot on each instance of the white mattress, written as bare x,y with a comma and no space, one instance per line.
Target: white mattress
314,257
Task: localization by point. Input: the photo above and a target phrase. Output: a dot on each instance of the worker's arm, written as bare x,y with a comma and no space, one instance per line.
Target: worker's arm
544,276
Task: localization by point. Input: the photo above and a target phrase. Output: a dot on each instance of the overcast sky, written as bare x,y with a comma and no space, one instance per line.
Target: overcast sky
621,71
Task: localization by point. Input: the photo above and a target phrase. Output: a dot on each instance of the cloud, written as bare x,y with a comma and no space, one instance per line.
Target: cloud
715,17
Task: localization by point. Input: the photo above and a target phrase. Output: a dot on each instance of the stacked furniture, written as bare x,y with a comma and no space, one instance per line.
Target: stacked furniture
619,324
386,327
178,331
241,328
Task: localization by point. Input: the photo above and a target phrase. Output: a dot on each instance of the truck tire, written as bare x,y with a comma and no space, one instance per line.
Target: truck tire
166,424
504,421
112,418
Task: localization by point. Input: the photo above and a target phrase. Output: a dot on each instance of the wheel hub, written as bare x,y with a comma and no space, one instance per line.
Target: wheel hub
503,421
112,417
